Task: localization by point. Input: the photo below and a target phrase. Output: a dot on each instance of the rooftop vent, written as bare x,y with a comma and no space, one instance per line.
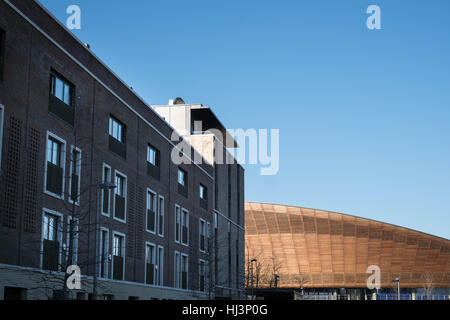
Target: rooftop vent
179,101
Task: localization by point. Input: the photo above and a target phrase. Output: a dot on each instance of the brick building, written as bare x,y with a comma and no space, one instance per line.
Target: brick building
69,128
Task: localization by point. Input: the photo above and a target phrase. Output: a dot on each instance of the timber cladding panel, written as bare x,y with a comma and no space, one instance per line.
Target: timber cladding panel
321,249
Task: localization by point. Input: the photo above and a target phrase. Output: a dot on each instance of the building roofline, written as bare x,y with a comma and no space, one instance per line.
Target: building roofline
350,215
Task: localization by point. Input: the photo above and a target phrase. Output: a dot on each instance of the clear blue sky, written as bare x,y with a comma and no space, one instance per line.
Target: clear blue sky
363,115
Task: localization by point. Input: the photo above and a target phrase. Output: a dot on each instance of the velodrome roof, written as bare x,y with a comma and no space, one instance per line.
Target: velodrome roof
333,250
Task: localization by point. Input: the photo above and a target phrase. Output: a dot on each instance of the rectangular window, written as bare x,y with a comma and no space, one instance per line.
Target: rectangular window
177,223
181,177
118,256
54,181
202,275
150,264
61,98
2,52
75,175
184,271
161,216
160,271
104,255
177,270
185,227
153,162
72,241
202,235
151,211
106,194
51,241
203,192
117,133
120,197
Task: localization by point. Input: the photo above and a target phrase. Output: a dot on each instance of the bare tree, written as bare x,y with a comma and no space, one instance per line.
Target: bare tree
428,285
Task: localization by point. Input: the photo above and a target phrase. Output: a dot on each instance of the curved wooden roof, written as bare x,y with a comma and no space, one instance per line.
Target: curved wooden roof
323,249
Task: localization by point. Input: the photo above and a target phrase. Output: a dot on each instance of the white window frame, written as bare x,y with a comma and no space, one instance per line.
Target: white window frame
208,235
179,224
155,206
2,121
125,192
161,213
59,234
104,179
72,148
114,233
205,190
120,133
75,239
155,152
183,210
177,269
150,244
63,164
107,258
160,266
200,220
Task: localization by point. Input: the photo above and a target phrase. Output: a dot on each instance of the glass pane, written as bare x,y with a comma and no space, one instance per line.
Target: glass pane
66,94
59,89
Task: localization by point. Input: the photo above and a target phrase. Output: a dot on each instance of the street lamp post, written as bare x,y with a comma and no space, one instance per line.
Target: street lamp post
251,263
102,186
398,287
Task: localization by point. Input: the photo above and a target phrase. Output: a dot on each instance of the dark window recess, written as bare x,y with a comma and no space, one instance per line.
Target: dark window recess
74,188
153,171
54,178
202,283
2,52
151,220
183,190
204,204
12,293
50,258
184,280
202,242
184,235
106,200
61,99
118,268
117,147
119,207
150,273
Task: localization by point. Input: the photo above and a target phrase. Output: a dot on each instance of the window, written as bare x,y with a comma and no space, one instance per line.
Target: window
184,271
177,223
72,241
161,216
104,256
106,177
202,235
120,197
177,270
150,263
160,271
75,175
203,192
61,89
118,256
2,52
116,130
117,133
61,98
182,183
185,227
54,181
151,211
153,162
202,275
51,240
181,177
